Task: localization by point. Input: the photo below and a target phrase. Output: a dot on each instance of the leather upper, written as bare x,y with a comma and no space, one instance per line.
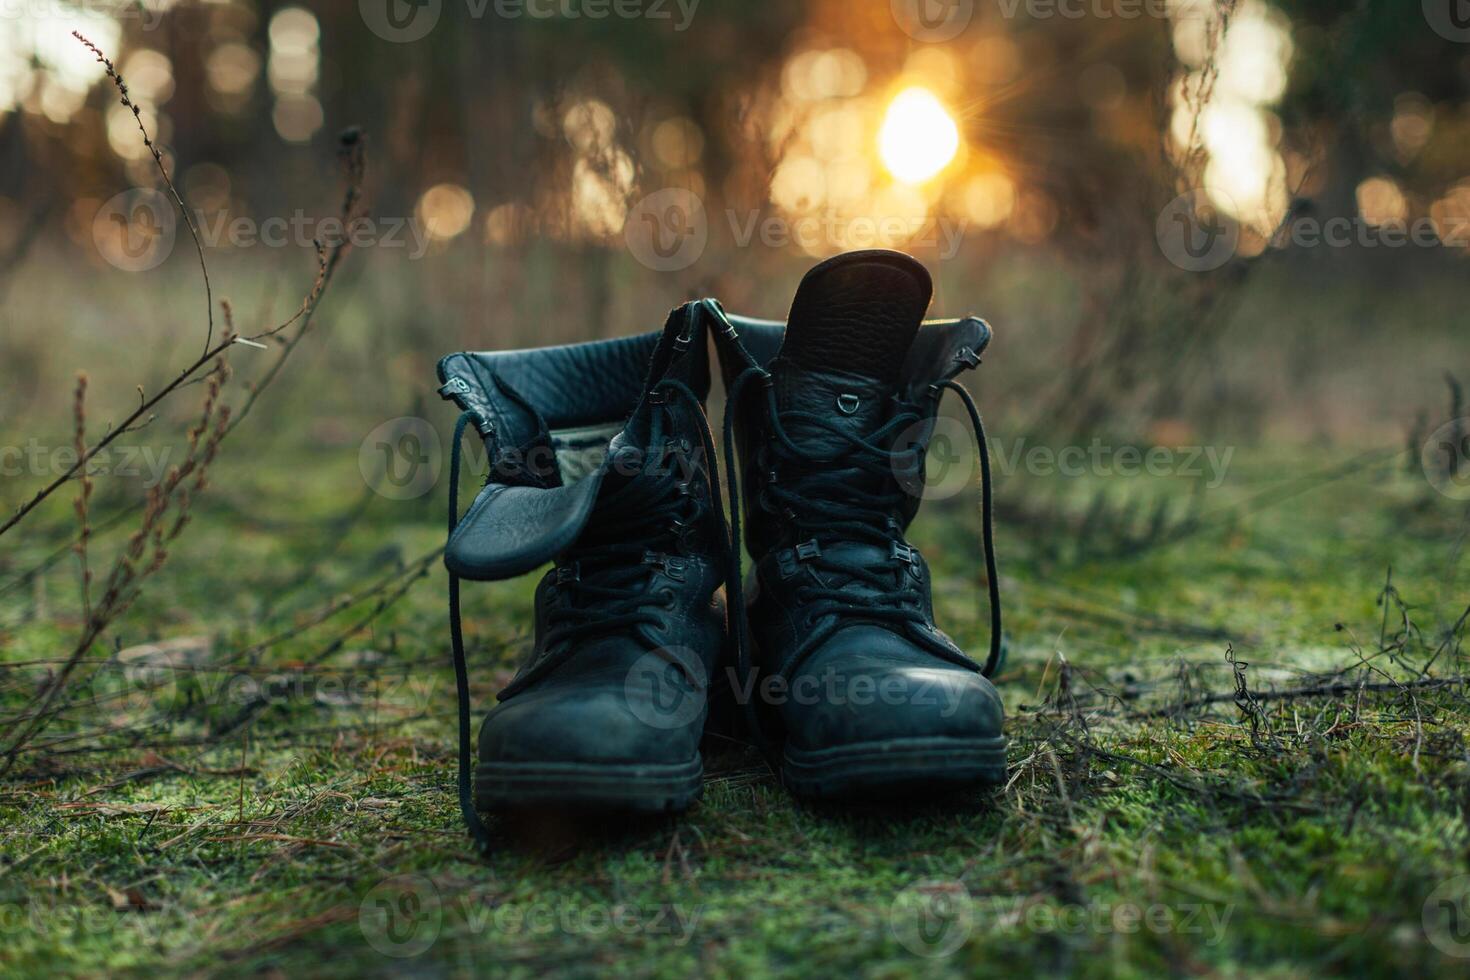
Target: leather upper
832,606
941,350
558,381
524,401
597,706
629,621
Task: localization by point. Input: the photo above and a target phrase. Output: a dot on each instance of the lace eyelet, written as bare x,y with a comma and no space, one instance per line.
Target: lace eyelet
670,600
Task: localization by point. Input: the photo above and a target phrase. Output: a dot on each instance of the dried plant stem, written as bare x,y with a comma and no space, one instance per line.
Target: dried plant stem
166,510
127,101
328,261
164,517
1200,97
84,494
1335,690
127,425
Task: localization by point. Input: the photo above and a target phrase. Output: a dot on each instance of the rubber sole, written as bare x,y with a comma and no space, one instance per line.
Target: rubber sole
895,766
631,787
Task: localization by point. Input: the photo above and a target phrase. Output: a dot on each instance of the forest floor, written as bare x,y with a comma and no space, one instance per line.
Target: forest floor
1238,747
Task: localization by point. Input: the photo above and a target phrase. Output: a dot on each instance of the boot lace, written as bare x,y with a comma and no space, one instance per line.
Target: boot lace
640,527
848,496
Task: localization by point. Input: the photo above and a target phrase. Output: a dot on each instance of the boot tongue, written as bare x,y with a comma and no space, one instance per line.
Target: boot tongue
850,328
858,313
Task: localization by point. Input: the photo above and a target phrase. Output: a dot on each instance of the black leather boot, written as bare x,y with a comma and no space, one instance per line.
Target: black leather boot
855,691
600,458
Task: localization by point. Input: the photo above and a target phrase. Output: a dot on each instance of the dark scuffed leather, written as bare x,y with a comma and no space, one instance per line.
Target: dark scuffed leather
587,711
510,528
557,380
850,402
583,702
886,689
932,357
509,531
942,349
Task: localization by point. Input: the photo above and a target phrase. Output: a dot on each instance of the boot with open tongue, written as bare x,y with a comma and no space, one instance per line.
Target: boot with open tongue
848,684
601,462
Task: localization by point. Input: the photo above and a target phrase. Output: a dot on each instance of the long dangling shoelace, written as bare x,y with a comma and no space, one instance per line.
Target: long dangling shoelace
857,511
614,573
478,831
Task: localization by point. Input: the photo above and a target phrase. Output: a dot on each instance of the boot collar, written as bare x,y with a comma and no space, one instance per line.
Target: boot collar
941,350
533,408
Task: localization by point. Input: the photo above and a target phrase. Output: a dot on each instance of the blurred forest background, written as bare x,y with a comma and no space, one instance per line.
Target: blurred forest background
510,153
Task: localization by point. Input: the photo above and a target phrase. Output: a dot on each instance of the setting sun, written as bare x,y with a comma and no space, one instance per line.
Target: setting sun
918,138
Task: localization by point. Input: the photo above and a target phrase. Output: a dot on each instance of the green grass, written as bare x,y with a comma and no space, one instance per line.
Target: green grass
1125,844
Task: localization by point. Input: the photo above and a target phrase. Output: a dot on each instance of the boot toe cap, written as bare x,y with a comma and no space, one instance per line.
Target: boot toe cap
605,723
867,684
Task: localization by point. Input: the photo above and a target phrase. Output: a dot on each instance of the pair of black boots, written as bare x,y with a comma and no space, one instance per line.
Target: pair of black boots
601,459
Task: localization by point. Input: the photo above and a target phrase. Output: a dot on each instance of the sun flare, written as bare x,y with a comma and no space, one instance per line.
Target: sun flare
918,137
